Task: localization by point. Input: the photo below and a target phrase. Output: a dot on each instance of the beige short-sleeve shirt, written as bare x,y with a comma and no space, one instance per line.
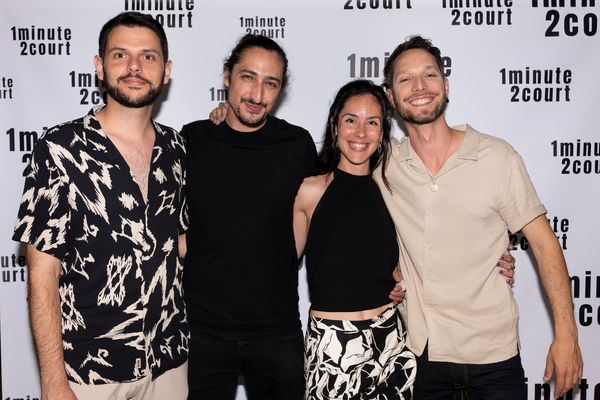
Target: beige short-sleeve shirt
452,229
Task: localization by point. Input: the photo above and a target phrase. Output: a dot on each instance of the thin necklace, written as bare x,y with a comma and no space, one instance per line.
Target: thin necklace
434,185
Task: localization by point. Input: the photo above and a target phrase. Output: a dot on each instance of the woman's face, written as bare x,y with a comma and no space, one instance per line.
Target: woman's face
359,132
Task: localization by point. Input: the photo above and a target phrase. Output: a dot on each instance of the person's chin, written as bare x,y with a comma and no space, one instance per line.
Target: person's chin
255,120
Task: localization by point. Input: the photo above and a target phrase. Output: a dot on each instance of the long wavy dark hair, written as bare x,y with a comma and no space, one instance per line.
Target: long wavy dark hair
329,156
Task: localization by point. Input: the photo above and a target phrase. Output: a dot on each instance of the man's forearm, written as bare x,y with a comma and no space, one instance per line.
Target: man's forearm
45,317
564,359
553,274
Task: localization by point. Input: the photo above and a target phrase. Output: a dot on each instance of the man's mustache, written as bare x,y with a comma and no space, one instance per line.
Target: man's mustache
133,76
249,100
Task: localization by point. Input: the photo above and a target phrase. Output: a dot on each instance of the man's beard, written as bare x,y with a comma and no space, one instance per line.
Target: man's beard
127,101
423,119
251,123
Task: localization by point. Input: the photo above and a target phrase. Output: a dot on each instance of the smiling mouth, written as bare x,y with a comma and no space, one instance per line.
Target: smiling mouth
421,101
254,108
358,146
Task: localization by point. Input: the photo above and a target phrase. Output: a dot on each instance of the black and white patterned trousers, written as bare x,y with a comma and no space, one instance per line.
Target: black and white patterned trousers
358,359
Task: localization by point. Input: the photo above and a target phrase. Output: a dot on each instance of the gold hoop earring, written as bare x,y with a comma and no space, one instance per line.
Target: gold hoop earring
334,142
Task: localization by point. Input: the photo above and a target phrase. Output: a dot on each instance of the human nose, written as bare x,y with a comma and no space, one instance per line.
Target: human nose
419,83
256,92
361,131
133,65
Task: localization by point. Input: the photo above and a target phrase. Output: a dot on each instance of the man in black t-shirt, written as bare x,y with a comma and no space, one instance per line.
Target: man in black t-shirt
241,267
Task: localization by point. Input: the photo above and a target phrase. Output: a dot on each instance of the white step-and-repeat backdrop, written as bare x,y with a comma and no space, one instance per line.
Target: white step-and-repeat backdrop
527,71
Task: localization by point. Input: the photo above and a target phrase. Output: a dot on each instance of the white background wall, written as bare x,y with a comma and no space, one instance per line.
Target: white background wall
328,43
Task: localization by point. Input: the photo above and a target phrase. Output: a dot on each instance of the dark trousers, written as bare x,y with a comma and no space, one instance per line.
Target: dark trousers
449,381
272,368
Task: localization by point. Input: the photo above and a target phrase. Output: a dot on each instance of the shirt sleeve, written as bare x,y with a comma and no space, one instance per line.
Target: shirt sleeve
44,213
521,203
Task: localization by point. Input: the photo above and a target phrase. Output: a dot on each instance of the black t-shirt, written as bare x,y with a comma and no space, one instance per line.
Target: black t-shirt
241,267
351,248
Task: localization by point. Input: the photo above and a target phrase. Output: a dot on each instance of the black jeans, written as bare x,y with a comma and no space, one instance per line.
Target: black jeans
503,380
273,368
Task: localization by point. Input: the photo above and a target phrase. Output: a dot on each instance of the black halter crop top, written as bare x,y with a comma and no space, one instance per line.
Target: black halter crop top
351,248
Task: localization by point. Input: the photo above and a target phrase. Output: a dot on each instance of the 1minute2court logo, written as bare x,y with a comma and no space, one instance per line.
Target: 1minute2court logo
36,41
90,93
569,17
6,88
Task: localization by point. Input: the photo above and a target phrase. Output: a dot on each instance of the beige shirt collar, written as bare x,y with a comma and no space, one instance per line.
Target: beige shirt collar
468,149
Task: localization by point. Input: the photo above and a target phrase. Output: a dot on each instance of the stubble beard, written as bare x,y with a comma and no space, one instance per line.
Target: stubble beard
422,119
133,102
247,121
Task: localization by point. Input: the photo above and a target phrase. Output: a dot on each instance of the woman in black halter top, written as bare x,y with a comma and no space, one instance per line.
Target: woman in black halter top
355,337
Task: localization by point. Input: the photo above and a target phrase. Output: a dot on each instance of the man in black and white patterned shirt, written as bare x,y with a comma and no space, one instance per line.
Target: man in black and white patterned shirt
101,215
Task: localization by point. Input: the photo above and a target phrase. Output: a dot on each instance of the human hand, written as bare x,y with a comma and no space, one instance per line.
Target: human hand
399,291
506,265
565,362
218,114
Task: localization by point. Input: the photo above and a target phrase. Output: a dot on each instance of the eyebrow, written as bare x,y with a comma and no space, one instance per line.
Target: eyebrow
356,115
143,50
427,67
269,77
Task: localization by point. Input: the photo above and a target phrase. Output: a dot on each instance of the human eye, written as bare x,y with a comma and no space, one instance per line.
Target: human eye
272,84
149,57
247,77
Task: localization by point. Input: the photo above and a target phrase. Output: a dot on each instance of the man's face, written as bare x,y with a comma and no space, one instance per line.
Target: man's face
133,69
254,84
419,90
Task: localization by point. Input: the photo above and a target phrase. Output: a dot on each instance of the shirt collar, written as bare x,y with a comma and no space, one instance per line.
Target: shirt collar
468,149
91,122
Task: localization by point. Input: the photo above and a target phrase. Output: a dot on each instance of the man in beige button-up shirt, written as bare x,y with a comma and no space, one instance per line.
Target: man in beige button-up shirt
454,193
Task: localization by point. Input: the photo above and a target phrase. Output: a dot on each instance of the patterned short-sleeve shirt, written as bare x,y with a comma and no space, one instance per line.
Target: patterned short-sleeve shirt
122,309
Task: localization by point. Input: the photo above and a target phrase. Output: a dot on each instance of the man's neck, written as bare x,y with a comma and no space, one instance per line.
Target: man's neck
434,143
118,120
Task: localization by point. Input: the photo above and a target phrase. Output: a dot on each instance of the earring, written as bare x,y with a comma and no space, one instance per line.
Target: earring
379,148
334,143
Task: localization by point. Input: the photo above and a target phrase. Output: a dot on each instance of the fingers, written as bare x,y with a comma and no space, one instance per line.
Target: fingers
549,368
398,292
567,378
506,265
218,114
559,389
397,274
509,274
401,285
